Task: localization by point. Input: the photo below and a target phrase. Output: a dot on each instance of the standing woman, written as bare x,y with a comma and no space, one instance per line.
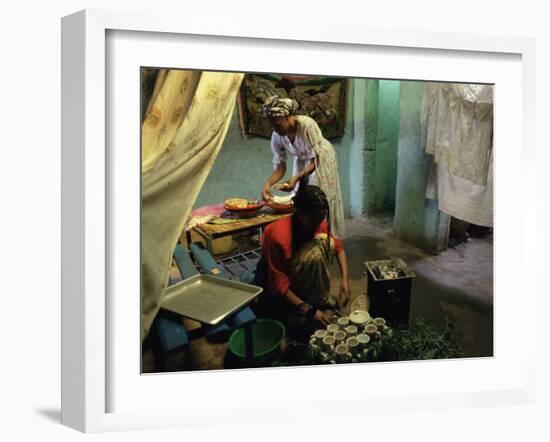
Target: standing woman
314,156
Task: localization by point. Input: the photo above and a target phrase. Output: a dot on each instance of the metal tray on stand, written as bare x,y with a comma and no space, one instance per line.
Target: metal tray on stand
208,299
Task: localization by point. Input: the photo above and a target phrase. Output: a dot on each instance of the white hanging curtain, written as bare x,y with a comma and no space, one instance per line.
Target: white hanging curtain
457,129
182,133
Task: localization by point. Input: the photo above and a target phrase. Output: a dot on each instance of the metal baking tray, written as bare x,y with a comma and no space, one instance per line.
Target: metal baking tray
208,299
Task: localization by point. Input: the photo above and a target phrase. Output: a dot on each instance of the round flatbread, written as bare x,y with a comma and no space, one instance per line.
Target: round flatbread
236,203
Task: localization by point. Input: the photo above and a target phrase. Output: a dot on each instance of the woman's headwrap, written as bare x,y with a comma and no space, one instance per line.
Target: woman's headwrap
276,107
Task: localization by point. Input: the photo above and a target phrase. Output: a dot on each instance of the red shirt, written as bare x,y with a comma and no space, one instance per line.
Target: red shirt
277,251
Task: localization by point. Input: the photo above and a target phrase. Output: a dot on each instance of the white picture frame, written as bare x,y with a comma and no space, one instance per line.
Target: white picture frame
87,356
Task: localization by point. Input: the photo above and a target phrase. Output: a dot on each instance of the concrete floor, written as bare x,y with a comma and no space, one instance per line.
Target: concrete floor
457,283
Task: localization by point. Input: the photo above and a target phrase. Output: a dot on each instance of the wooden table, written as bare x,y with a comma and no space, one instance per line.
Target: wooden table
212,231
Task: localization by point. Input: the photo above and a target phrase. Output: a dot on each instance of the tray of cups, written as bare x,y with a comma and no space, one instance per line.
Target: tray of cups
353,338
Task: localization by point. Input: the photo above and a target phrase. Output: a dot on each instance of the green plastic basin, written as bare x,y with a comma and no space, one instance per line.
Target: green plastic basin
267,337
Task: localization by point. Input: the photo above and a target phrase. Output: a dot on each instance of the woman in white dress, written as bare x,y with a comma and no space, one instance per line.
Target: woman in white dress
314,156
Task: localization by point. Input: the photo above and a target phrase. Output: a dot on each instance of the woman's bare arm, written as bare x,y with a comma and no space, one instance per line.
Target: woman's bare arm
345,288
296,301
289,185
277,174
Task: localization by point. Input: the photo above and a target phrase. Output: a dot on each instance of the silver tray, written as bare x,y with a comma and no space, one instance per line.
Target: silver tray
208,299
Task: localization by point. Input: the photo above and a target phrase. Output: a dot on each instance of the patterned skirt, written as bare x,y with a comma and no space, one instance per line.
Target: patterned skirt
328,180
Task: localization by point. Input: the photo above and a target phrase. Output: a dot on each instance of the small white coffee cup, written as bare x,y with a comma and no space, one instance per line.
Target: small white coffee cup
353,345
371,330
328,343
339,337
343,322
342,353
363,340
319,335
351,330
332,328
380,323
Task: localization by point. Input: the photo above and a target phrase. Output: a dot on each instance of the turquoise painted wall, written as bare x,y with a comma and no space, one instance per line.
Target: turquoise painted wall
416,218
387,137
369,155
381,131
356,175
343,151
243,166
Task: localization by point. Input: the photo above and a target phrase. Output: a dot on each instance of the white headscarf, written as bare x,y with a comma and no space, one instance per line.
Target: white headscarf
275,107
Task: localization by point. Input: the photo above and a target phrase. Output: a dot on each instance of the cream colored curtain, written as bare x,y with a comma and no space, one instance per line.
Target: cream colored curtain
457,128
183,131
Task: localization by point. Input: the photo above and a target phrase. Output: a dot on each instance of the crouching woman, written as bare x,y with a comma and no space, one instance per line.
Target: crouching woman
298,252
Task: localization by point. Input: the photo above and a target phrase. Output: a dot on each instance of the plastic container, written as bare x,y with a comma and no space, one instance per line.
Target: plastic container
267,335
220,246
390,298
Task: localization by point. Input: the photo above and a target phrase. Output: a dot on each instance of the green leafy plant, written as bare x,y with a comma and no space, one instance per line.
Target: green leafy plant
422,339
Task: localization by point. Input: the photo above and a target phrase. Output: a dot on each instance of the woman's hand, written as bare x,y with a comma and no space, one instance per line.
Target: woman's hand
322,318
285,187
345,292
289,185
266,192
277,175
